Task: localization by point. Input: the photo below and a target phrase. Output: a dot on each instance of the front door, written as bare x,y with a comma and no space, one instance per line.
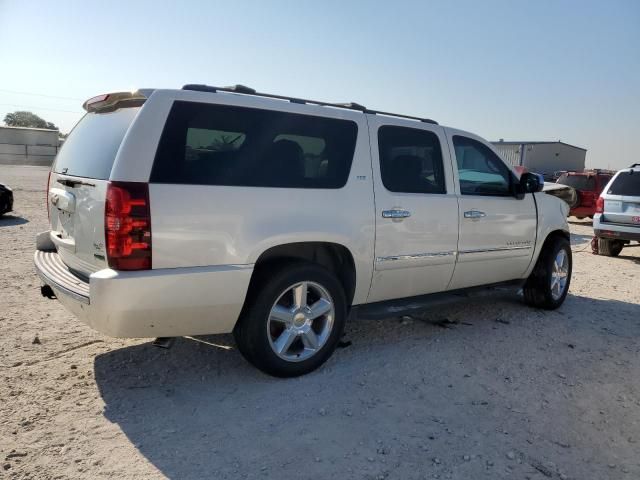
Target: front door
497,230
416,209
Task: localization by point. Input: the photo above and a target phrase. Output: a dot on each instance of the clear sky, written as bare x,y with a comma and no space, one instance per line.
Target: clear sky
534,70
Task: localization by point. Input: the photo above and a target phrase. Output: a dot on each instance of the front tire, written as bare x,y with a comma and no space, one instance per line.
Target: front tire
292,320
609,248
548,284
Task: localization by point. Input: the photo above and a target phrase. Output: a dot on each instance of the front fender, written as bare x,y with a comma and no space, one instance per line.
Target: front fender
552,217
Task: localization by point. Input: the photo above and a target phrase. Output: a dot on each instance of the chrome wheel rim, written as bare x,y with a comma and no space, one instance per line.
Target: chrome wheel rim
300,321
559,274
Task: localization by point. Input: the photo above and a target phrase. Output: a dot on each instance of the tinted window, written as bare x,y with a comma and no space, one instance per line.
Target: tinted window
222,145
91,147
481,171
579,182
626,183
604,179
410,160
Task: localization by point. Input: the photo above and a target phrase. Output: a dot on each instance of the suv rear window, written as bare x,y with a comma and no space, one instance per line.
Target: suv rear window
626,183
206,144
579,182
93,143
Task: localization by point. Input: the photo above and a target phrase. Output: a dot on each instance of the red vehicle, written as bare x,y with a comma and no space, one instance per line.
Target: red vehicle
588,186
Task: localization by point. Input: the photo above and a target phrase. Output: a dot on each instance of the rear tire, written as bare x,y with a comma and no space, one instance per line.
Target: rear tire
279,332
548,284
609,248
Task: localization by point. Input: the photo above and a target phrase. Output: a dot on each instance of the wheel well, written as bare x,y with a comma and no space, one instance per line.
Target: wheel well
334,257
555,234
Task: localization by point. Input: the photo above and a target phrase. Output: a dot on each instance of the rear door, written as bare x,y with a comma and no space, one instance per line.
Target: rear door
586,186
622,199
416,209
77,188
497,230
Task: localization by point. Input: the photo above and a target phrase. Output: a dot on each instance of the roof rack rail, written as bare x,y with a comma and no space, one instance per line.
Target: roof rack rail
635,165
242,89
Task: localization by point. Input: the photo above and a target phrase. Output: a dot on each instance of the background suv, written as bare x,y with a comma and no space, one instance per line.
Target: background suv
617,218
215,210
588,186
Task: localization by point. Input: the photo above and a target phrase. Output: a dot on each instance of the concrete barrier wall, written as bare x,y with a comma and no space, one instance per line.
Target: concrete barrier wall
8,149
39,160
28,146
41,150
42,155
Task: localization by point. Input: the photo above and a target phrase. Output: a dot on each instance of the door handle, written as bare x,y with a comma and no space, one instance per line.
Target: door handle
474,214
396,213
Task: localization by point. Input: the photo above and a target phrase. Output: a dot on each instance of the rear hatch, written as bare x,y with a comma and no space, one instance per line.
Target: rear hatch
78,186
584,184
622,199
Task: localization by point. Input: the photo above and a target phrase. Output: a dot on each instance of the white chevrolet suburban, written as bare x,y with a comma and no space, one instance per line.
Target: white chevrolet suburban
212,210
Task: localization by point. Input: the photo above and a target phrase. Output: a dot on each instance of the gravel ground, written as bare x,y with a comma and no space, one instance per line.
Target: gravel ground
485,388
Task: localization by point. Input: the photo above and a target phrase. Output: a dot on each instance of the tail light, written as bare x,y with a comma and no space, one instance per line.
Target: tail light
600,205
46,197
127,226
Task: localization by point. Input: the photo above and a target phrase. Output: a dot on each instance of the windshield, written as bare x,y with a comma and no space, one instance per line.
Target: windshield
92,145
626,183
579,182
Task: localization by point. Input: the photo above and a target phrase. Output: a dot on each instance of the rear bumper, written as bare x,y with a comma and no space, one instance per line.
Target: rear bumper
152,303
54,273
582,211
616,231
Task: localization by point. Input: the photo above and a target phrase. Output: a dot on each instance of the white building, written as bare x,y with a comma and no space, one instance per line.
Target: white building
543,157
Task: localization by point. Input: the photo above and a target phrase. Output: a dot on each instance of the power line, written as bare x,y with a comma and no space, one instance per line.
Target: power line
39,108
39,95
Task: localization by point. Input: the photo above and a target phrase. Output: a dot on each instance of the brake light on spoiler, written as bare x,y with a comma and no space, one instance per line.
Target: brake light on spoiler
112,101
127,226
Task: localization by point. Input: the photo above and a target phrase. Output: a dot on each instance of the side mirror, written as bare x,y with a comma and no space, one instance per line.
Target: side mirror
529,183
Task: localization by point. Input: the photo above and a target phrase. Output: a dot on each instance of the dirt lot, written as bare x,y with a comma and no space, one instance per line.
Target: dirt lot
487,388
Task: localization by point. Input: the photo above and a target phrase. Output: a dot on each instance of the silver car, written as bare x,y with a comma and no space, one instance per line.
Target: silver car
617,219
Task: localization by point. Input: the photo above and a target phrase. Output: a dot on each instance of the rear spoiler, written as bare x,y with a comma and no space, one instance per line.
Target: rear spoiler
112,101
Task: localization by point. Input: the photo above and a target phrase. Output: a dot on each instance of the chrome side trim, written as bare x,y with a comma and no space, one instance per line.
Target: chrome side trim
415,256
497,249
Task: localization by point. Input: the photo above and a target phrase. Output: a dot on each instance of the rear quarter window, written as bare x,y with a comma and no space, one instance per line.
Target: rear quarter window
92,145
626,183
208,144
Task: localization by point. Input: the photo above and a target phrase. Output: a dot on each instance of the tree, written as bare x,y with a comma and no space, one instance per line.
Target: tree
27,119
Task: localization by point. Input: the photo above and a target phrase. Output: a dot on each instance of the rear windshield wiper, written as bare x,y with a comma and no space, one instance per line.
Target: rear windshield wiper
70,182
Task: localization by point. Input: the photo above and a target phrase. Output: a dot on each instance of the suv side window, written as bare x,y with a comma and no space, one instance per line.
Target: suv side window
208,144
410,160
604,179
481,171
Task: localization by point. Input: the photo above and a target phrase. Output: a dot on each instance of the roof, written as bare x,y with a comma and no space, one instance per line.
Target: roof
244,90
543,142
